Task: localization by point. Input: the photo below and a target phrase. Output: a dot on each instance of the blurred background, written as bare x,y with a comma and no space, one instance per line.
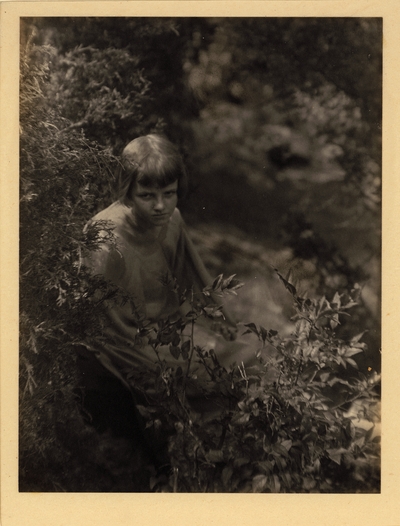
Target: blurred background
279,122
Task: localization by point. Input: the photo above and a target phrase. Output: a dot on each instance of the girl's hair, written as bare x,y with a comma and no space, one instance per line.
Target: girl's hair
151,160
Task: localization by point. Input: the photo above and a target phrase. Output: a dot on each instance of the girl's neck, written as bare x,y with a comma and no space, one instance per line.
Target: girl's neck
148,233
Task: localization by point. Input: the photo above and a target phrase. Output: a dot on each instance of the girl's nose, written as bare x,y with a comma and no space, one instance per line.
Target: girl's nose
159,205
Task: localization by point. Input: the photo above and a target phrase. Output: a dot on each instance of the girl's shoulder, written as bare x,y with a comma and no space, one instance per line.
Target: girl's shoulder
176,224
116,212
176,217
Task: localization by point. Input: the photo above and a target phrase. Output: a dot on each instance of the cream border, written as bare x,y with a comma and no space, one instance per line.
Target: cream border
119,509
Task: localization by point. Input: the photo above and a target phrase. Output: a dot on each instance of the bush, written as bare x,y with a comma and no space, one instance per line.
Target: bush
284,425
59,169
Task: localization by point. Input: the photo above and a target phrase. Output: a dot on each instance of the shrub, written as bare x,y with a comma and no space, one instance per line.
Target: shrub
283,425
59,170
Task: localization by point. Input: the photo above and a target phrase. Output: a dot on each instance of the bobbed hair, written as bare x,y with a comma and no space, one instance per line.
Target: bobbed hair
151,160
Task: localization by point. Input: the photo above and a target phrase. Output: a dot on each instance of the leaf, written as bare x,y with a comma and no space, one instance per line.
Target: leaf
310,373
185,355
287,285
336,454
264,333
146,411
287,444
217,282
280,462
334,381
259,483
266,465
369,434
243,406
359,442
226,475
177,339
352,362
240,419
226,282
240,461
215,455
309,483
175,351
287,479
324,377
352,351
326,312
252,328
191,315
213,311
281,450
336,300
326,486
275,483
334,321
340,361
358,337
185,348
234,285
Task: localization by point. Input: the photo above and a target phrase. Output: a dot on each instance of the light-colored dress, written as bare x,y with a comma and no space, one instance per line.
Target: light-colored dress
154,272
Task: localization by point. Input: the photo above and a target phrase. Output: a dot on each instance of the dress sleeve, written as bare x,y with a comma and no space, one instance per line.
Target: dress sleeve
189,269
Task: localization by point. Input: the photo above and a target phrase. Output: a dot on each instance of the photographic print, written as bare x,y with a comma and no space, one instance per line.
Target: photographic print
199,237
200,254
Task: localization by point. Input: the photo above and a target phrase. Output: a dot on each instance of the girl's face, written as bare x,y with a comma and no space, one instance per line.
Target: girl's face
153,206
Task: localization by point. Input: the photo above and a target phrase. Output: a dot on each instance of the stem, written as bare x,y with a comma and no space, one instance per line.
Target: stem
191,351
206,367
184,409
188,364
346,401
299,367
157,354
222,439
196,463
244,376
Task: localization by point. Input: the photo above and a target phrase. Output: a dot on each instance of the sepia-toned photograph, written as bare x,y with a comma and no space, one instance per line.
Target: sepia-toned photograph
200,254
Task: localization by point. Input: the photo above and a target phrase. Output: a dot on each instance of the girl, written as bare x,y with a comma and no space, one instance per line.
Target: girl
151,259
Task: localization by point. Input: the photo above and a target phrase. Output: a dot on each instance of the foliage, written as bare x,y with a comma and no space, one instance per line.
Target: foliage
60,169
246,56
282,425
58,173
117,78
95,97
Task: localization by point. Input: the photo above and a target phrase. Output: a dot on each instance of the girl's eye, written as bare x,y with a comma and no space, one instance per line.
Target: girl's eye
170,193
